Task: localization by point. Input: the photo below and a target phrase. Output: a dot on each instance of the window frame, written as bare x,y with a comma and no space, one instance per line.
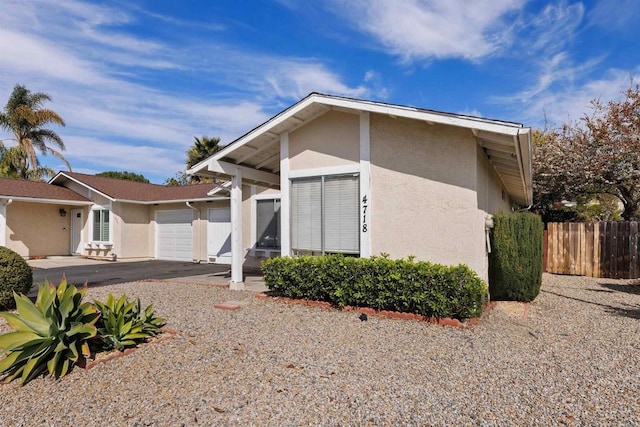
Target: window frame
101,210
255,232
323,177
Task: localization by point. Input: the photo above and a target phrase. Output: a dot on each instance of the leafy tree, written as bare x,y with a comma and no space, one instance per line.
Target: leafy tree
129,176
598,155
13,164
25,117
179,178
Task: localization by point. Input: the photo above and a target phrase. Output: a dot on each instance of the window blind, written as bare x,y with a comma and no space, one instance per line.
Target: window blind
341,214
306,214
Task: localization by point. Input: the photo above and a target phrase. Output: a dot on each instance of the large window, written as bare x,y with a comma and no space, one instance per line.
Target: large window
100,225
268,223
324,214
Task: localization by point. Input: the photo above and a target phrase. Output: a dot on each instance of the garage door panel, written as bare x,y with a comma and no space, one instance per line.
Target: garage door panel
175,235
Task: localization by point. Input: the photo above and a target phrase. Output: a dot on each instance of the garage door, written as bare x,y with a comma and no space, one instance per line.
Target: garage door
219,235
174,235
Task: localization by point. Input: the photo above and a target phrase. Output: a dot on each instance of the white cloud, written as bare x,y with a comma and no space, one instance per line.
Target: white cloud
111,155
101,77
424,29
570,102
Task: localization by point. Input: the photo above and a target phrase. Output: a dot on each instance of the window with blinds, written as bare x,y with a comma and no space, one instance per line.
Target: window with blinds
101,225
268,223
325,215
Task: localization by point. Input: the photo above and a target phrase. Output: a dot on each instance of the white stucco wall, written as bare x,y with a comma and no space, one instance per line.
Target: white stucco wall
328,141
424,193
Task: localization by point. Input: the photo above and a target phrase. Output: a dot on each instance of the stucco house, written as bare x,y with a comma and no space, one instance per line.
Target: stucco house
338,175
79,214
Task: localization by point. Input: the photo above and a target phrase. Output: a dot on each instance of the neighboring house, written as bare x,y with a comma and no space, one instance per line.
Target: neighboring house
339,175
79,214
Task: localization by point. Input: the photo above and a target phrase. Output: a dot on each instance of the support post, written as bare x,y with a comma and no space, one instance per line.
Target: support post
237,253
3,222
285,197
365,186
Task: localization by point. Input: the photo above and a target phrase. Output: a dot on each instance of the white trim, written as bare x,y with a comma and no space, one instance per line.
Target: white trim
365,186
49,201
97,207
332,170
254,218
230,169
329,102
3,222
253,241
90,188
72,212
285,197
237,252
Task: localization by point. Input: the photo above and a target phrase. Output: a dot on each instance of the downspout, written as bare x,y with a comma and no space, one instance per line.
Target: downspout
196,260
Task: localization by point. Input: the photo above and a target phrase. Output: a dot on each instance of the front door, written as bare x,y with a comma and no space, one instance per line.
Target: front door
219,235
76,231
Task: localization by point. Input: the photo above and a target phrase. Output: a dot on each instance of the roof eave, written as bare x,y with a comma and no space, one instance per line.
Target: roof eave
77,181
48,201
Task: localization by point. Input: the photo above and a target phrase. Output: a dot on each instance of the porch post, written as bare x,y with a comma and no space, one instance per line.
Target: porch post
285,197
3,222
237,253
365,186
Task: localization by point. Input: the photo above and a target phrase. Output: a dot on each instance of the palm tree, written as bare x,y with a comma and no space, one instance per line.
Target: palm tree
25,117
13,164
201,149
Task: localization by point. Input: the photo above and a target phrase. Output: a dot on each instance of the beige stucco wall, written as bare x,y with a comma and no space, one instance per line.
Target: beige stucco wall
131,230
332,139
423,196
37,229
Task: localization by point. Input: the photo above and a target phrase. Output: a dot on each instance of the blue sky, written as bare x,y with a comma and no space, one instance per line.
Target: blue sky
135,81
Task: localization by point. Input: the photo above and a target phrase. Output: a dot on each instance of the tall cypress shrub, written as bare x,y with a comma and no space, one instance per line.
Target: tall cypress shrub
515,261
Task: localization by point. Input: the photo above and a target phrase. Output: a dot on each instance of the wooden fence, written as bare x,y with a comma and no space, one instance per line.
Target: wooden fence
595,249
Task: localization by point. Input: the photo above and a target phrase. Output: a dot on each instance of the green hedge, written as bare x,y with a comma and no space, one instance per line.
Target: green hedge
15,276
380,283
515,261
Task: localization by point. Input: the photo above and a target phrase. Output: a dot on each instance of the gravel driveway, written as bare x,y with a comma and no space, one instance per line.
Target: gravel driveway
575,360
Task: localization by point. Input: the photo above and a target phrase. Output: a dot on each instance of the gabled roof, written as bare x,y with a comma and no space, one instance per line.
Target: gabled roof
18,189
507,144
135,192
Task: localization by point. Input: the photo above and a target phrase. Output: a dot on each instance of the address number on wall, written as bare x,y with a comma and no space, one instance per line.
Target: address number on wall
365,205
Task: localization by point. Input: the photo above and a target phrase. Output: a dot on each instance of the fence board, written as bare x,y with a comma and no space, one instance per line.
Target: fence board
604,249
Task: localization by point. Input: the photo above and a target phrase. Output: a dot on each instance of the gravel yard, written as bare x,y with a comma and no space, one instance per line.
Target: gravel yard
574,360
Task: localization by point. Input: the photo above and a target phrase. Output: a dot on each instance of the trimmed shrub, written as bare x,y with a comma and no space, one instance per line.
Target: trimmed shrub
381,283
15,276
515,261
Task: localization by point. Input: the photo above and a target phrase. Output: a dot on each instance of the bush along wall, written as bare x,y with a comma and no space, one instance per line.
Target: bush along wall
515,261
15,276
381,283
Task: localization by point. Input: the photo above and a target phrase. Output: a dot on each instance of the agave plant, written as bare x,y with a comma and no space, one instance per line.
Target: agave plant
51,335
123,324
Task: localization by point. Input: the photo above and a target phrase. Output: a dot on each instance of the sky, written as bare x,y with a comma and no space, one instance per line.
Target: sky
136,81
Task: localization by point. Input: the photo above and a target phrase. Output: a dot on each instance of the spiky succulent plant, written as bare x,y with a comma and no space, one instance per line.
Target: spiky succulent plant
51,335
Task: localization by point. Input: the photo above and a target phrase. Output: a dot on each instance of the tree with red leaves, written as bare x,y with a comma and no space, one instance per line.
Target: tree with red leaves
600,154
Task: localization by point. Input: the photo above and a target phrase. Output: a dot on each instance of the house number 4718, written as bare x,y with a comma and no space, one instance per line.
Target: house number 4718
365,205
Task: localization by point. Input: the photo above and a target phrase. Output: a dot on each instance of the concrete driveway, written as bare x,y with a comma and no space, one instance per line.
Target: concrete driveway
100,273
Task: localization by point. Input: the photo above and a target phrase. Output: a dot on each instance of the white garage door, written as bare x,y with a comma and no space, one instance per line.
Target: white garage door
174,236
219,235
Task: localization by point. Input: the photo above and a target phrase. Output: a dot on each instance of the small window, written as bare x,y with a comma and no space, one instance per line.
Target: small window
101,225
268,223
